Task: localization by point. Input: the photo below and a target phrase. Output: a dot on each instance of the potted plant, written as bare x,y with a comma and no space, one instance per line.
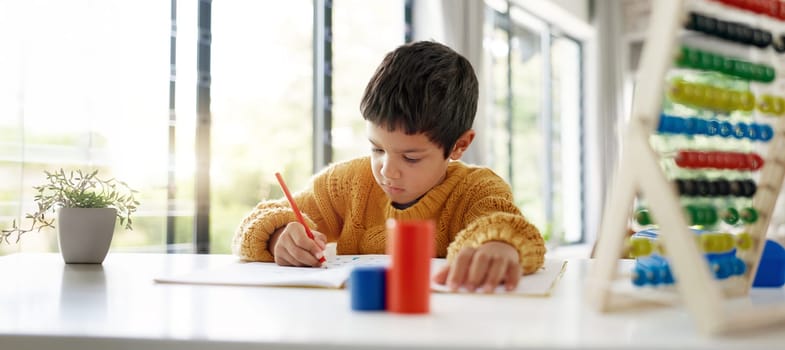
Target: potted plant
86,207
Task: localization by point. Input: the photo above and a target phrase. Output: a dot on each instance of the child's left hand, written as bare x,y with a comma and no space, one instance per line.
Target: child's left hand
484,267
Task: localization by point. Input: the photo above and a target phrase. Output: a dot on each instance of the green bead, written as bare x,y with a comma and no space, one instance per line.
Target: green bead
642,217
692,214
768,74
728,67
749,215
710,216
717,62
730,216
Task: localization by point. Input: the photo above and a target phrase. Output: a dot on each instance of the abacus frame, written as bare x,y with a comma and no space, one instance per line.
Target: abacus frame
639,173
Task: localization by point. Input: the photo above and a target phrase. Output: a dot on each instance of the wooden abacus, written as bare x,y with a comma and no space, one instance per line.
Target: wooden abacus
640,175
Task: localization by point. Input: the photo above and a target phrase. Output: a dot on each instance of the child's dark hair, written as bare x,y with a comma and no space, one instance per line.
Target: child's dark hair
423,87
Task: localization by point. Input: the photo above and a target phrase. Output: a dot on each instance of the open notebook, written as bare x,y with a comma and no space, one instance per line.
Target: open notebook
335,273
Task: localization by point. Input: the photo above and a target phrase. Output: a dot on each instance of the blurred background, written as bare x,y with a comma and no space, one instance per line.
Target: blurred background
196,104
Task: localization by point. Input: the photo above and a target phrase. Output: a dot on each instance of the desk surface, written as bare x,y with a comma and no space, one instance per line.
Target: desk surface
45,303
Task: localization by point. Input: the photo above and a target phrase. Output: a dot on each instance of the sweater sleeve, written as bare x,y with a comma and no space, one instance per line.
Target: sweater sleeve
321,204
493,216
252,235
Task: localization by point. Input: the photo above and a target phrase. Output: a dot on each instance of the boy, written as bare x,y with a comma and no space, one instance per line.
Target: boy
419,107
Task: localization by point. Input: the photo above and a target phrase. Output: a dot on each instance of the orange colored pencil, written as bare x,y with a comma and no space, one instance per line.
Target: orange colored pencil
296,209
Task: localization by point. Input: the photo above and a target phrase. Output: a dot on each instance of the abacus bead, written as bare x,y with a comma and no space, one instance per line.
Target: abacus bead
730,216
642,217
708,24
778,106
723,187
690,187
717,63
754,161
753,131
712,127
749,188
690,126
702,187
639,276
682,159
701,160
712,188
706,243
710,216
640,247
768,74
767,37
739,267
747,101
728,67
736,189
765,104
692,21
746,34
726,129
723,269
766,132
740,130
706,61
701,127
744,241
692,214
749,215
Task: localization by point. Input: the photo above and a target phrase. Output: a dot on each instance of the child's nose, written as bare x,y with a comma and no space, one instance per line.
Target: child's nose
389,169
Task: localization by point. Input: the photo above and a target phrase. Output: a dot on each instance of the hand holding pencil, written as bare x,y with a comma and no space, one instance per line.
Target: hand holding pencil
295,244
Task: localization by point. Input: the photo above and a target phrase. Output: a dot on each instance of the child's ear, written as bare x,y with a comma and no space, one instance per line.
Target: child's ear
462,144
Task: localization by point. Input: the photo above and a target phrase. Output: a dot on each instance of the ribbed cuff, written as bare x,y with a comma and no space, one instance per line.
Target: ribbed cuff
511,229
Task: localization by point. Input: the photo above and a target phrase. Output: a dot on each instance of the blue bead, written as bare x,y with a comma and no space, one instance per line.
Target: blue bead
691,126
701,127
740,130
713,128
766,132
638,276
726,129
367,285
753,132
739,267
670,124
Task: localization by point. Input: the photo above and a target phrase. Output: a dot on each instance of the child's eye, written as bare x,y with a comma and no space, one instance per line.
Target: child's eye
377,150
411,160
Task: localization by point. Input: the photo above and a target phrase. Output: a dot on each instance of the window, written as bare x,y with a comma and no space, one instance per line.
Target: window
261,95
356,54
536,120
90,85
84,86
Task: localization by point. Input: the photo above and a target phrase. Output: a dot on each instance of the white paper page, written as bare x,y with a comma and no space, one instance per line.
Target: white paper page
336,272
540,283
332,274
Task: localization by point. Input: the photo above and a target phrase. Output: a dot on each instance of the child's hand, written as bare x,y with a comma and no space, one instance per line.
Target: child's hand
484,267
291,246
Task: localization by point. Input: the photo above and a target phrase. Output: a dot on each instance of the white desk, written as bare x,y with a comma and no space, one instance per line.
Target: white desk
46,304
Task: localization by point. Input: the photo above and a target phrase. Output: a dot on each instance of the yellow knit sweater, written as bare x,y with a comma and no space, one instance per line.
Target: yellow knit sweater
470,207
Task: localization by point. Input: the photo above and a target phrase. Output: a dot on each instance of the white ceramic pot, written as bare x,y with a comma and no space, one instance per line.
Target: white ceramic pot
85,234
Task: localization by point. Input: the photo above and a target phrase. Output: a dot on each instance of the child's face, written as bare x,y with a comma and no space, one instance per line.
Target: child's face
405,166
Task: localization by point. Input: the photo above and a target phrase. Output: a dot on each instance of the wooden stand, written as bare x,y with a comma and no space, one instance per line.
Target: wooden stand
640,174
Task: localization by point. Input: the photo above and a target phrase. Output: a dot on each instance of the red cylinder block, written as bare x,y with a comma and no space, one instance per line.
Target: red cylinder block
410,245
